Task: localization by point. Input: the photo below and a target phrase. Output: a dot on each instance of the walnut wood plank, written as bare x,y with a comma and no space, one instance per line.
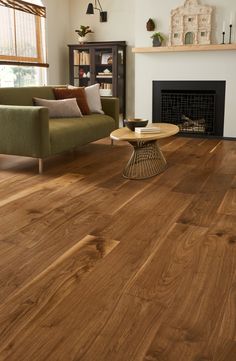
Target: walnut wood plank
193,182
199,323
228,205
207,201
70,220
115,277
195,152
37,201
174,144
52,285
159,290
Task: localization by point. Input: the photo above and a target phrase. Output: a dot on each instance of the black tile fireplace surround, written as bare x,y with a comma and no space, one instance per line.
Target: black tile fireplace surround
197,107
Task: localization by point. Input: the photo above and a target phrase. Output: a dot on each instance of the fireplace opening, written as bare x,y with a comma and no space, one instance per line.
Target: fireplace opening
197,107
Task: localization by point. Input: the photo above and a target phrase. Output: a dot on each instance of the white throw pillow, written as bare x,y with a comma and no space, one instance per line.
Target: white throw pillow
65,108
94,99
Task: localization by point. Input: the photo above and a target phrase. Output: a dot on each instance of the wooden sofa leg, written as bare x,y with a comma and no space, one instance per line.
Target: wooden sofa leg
40,166
112,142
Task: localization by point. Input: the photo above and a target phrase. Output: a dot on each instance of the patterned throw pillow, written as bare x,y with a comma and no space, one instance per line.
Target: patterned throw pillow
78,93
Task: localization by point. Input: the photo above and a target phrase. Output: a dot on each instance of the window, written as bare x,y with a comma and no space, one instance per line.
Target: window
15,76
22,42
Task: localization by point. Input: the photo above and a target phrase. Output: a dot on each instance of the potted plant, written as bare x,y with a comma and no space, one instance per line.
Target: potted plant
157,39
82,32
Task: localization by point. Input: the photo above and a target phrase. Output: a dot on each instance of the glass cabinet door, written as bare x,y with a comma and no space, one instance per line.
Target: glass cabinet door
81,68
104,70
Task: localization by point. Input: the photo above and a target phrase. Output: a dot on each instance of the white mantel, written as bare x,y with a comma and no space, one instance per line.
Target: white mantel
185,48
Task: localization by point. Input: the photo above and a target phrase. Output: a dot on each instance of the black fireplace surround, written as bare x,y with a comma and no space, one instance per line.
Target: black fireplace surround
197,107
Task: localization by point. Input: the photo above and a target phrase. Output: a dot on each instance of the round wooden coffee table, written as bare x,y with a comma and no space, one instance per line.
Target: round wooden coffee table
147,159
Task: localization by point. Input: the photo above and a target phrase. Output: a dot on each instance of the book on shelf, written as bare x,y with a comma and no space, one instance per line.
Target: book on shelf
105,86
76,57
84,58
81,58
147,130
104,76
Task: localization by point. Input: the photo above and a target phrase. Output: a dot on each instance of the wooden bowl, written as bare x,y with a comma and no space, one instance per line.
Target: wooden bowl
135,123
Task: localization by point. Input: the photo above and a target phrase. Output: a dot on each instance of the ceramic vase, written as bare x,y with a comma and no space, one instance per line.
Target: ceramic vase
82,39
156,42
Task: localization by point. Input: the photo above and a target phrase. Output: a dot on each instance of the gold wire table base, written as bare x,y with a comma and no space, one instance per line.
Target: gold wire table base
146,160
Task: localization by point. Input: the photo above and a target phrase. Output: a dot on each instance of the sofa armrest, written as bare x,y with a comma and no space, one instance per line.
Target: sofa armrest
24,130
110,106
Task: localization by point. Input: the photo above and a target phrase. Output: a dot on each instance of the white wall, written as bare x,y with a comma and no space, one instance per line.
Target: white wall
119,27
183,66
160,12
57,36
127,21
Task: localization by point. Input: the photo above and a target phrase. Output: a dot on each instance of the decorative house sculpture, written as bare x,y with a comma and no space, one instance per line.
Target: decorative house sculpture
191,24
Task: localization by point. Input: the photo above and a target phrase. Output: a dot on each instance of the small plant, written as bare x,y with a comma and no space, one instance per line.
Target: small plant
83,30
158,36
157,39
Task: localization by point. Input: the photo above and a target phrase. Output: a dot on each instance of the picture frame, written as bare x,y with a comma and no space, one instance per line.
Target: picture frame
106,59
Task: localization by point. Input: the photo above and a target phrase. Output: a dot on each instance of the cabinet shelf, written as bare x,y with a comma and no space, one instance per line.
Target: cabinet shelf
104,65
185,48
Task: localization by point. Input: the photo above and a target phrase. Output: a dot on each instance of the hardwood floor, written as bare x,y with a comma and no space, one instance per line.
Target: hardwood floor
95,267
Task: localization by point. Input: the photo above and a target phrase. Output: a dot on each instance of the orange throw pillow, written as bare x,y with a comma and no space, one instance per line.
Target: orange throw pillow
78,93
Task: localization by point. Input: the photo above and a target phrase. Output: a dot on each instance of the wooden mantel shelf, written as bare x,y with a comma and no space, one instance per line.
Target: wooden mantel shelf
166,49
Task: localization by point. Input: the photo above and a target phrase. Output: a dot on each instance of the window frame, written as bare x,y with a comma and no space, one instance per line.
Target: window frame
39,12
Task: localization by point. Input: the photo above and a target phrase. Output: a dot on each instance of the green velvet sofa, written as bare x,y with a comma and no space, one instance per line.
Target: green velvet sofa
26,130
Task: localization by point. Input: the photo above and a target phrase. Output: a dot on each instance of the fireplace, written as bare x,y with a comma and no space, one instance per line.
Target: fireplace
197,107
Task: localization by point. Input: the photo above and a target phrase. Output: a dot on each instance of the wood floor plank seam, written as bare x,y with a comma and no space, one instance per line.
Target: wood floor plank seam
132,198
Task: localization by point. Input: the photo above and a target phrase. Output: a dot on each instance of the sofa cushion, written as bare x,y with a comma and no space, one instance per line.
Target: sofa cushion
23,96
94,99
65,108
72,132
78,93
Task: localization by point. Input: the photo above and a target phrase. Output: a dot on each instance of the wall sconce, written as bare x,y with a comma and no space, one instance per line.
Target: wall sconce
97,6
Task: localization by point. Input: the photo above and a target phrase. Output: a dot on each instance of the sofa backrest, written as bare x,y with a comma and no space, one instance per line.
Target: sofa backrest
24,95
